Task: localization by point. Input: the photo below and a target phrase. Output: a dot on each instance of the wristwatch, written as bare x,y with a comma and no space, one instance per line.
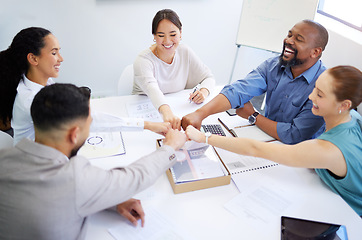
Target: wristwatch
207,135
252,118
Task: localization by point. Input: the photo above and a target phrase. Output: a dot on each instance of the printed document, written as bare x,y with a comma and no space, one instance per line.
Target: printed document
103,144
262,204
143,109
157,227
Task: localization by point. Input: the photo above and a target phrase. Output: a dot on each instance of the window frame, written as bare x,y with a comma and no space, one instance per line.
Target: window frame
320,11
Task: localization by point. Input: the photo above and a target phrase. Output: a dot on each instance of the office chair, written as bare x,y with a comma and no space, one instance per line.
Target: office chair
125,82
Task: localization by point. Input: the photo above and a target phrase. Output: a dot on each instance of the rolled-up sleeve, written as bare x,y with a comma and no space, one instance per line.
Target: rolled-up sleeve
241,91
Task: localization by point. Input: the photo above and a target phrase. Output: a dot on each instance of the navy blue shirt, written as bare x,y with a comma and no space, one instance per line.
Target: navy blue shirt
287,99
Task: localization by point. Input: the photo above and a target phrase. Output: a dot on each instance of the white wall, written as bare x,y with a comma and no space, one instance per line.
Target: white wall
100,37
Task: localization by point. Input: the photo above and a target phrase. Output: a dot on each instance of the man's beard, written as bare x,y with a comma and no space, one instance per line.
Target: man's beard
75,151
293,62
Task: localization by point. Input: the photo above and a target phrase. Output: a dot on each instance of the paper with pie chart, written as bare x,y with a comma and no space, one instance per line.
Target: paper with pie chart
103,144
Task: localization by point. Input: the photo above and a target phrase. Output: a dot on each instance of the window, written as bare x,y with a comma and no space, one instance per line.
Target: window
347,12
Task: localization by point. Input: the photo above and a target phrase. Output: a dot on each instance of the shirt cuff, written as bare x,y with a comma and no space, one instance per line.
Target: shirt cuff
170,151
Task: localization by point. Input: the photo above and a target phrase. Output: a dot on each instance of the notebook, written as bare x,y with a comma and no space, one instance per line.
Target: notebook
252,132
240,127
237,163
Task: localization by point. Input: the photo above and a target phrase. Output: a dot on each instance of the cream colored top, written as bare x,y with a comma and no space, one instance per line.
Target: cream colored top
154,77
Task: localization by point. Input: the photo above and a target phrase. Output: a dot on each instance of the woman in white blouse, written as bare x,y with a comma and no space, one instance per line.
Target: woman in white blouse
29,64
168,66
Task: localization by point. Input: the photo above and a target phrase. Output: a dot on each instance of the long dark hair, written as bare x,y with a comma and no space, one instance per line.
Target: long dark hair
14,63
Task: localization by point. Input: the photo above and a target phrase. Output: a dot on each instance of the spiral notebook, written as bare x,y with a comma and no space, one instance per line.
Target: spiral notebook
237,163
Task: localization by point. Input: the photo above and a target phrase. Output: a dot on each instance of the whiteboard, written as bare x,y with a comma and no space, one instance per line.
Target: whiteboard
265,23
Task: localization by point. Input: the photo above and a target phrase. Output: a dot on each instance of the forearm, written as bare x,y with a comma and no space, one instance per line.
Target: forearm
242,146
300,155
280,153
219,104
267,125
155,94
264,123
164,109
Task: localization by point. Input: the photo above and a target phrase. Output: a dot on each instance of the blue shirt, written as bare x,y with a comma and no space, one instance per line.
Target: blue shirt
287,99
348,138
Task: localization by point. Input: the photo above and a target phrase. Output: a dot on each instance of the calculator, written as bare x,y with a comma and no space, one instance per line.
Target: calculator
214,129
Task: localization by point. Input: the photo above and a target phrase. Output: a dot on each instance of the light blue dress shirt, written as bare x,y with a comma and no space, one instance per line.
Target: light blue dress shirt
348,138
287,99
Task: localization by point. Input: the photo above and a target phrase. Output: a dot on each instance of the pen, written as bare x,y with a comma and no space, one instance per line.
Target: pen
192,93
231,132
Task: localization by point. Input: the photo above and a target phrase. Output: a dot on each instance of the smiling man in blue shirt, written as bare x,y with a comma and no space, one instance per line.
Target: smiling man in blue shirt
287,81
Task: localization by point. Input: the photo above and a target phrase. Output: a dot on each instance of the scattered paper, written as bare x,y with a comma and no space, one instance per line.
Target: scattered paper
262,204
157,227
143,109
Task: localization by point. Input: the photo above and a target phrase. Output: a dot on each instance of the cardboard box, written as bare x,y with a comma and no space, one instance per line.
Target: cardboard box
200,183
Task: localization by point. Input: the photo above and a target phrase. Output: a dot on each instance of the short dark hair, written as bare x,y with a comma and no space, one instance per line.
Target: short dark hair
166,14
347,84
322,39
58,104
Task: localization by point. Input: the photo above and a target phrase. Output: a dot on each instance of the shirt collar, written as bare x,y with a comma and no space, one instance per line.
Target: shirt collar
309,75
35,86
42,151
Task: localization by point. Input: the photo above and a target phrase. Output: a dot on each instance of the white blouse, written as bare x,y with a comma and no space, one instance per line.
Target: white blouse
21,122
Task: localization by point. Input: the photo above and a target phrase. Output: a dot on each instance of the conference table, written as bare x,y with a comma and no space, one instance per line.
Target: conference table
214,213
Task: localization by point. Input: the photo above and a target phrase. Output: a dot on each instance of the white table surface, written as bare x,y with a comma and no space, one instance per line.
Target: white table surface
201,213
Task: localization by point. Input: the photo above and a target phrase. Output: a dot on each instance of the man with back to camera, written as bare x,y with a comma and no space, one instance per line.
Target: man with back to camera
47,191
287,80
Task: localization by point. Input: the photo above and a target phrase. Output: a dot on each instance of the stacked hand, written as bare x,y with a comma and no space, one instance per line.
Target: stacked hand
158,127
175,139
193,134
193,119
168,116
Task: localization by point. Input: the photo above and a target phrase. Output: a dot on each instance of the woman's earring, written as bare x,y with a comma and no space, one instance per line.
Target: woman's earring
154,40
340,111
